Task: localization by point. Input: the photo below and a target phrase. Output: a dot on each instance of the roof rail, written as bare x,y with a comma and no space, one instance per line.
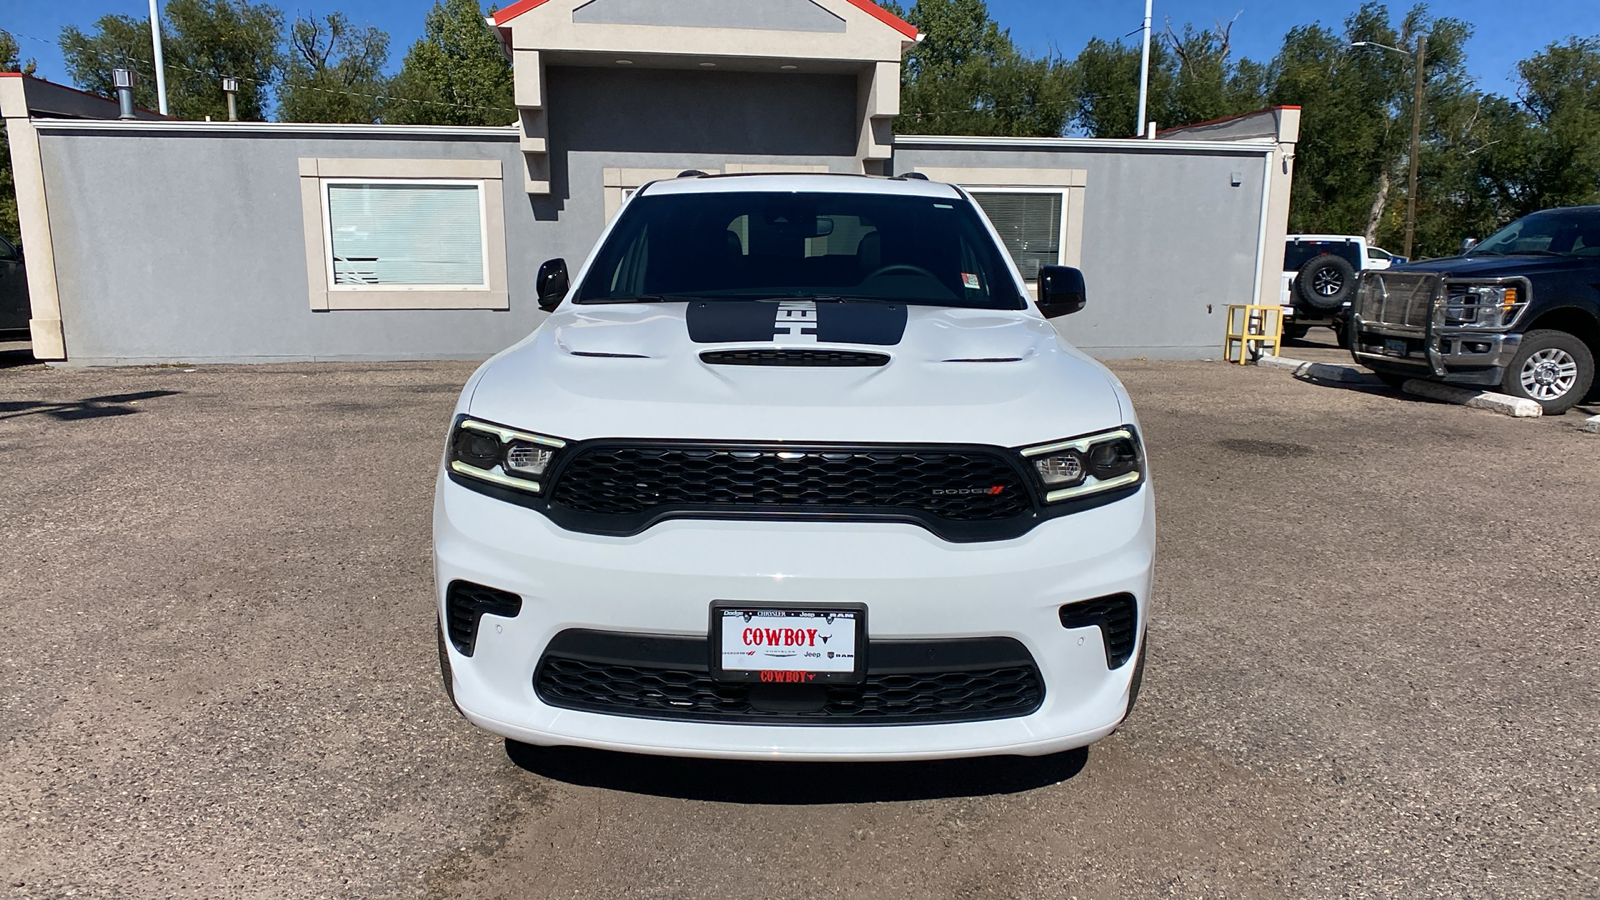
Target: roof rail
691,173
905,176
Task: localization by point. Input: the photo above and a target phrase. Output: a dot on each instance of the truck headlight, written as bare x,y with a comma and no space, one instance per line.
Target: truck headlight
1088,465
500,455
1484,305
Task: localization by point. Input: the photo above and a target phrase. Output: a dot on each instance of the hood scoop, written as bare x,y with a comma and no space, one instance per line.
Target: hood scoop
793,357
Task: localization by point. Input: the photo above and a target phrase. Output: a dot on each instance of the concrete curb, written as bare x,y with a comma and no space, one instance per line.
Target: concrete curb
1592,424
1504,404
1319,371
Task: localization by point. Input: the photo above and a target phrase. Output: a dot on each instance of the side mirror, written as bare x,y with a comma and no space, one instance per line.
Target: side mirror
1468,244
1061,291
551,284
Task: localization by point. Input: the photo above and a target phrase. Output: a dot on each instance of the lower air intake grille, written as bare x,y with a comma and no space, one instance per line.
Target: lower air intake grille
908,682
1117,617
465,603
824,358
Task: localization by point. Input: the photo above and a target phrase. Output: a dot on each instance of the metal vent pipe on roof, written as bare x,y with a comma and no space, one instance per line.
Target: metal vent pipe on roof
122,80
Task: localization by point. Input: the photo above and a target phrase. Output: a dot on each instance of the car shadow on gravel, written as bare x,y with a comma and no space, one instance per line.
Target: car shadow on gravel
796,783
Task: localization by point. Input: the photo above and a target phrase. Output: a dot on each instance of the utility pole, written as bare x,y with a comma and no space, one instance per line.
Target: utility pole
161,66
1418,56
1416,144
1144,69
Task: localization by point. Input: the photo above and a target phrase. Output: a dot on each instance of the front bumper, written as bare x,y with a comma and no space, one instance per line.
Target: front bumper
1463,356
915,586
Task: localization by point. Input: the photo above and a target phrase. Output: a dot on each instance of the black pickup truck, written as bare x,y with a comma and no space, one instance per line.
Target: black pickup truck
1517,313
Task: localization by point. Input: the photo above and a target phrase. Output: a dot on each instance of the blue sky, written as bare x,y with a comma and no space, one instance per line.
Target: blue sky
1506,32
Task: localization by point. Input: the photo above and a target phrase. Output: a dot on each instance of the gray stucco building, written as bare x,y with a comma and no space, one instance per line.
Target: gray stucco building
158,241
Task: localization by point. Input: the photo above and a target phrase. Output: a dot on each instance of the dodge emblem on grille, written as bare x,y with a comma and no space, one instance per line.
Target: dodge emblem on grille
967,492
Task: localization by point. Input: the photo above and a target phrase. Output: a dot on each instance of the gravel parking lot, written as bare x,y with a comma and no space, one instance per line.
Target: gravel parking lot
1373,671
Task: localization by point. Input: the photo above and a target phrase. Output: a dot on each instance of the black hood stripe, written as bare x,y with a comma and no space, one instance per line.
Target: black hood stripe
796,322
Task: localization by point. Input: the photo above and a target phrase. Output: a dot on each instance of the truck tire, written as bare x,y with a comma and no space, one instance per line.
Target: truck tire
1552,367
1325,282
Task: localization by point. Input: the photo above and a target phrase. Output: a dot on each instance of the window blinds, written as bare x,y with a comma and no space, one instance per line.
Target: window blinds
406,234
1029,225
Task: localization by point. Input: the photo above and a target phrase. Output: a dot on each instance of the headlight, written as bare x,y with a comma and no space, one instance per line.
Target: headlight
1484,305
499,455
1088,465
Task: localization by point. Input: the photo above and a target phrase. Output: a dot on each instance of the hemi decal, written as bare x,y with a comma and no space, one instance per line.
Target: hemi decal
797,322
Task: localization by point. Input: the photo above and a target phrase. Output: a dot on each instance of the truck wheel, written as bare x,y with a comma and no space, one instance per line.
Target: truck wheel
1552,367
1325,282
1296,332
1341,335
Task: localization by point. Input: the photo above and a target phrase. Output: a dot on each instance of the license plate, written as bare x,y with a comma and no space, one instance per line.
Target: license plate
1394,347
788,644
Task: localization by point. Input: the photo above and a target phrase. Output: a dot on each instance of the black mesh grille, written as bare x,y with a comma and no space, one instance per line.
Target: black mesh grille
793,358
465,603
669,678
1117,617
965,485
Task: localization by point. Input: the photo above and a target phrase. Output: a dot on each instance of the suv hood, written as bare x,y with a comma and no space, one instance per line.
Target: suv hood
1495,266
995,377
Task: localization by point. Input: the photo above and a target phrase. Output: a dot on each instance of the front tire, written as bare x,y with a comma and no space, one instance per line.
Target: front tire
1552,367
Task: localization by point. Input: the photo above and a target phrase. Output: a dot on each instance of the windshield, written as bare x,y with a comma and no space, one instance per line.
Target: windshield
764,245
1558,232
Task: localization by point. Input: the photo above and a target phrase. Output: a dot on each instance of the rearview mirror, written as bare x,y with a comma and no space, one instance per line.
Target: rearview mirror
1061,291
551,284
1468,244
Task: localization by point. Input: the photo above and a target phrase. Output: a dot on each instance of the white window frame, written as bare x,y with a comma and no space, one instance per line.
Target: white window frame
1008,180
1061,225
317,174
483,232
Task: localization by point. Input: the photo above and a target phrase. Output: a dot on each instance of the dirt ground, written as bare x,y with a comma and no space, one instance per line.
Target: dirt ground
1373,671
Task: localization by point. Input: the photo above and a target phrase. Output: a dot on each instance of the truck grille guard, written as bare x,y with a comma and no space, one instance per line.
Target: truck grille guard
1418,305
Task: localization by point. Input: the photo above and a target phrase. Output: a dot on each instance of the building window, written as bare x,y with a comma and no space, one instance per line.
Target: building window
404,233
1030,225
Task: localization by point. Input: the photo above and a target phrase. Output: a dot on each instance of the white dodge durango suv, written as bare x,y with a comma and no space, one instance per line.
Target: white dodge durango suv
796,469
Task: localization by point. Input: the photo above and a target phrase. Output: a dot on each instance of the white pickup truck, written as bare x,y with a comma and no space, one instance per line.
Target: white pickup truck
1319,279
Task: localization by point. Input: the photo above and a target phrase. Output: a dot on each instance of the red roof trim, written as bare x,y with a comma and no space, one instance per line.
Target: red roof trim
503,16
10,74
516,9
887,18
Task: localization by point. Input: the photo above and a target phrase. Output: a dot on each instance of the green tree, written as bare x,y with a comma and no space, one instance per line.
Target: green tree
1560,91
455,74
966,77
334,72
10,61
202,41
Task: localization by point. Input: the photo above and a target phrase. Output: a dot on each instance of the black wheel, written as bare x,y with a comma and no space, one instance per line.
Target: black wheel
1296,332
1341,334
1552,367
1325,282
